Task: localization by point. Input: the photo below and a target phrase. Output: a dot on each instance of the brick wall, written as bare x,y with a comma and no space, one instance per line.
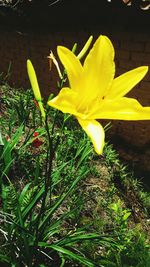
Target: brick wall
132,50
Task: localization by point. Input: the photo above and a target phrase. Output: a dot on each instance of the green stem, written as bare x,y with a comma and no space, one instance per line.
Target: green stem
27,250
50,156
48,171
48,177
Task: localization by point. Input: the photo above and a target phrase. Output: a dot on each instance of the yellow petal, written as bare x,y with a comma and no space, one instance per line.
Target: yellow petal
73,67
99,68
65,101
85,48
122,109
33,80
96,133
125,82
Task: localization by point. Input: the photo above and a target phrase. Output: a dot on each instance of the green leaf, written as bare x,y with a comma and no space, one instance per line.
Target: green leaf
23,193
13,141
80,236
4,258
30,206
69,254
6,169
8,146
59,202
107,263
55,226
114,207
126,216
1,140
86,151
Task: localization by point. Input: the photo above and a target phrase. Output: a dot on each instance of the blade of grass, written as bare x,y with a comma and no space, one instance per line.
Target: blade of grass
22,194
69,254
59,202
13,141
30,206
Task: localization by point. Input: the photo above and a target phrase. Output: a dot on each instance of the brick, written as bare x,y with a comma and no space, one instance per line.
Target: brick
140,37
147,77
141,57
128,64
132,46
122,54
117,63
125,36
147,47
143,96
146,86
116,44
119,71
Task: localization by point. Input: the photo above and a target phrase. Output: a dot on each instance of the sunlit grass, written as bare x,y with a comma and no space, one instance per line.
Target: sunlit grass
101,221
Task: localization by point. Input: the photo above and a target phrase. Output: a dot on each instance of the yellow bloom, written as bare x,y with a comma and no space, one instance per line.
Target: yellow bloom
35,86
94,93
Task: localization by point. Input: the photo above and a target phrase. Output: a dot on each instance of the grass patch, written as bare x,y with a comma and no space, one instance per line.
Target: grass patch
62,205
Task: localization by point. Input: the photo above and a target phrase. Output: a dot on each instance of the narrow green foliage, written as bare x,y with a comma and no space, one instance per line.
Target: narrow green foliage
6,158
61,205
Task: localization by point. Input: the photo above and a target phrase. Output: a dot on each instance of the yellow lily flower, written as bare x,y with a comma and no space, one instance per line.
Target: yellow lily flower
35,86
94,93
